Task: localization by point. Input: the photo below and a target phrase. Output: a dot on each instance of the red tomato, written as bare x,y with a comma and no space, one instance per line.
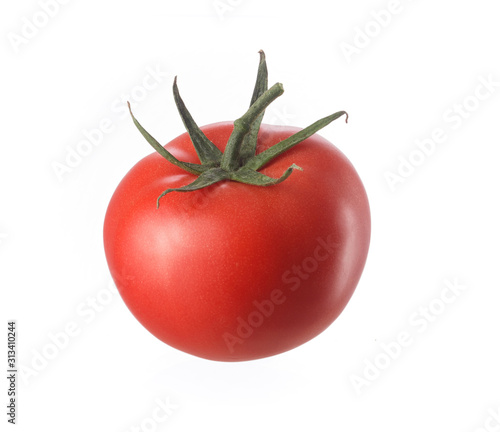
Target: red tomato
234,271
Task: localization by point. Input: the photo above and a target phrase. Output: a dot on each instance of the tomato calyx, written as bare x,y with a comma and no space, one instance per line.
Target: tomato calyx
239,162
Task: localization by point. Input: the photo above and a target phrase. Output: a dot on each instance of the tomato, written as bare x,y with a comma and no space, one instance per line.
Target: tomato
237,271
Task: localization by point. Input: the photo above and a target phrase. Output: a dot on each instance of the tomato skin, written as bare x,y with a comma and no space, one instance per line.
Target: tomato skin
236,272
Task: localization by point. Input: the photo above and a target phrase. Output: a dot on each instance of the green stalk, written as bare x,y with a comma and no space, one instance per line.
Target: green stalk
230,158
239,161
249,145
266,156
186,166
208,153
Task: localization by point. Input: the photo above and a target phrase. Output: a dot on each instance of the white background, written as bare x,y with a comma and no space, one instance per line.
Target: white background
407,79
